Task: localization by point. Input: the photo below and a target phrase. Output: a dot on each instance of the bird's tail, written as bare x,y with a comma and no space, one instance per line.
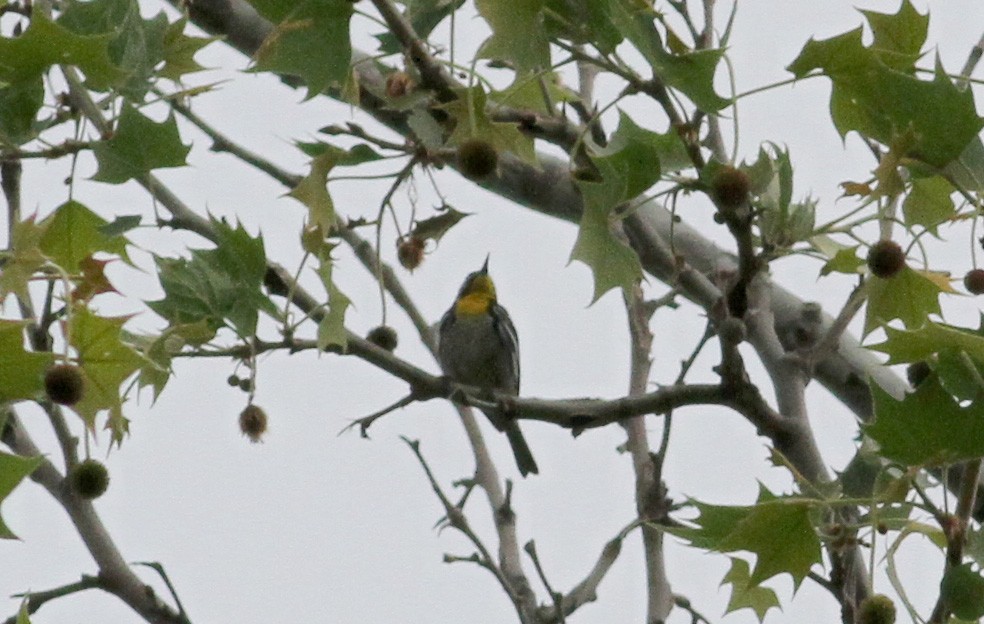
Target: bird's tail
521,450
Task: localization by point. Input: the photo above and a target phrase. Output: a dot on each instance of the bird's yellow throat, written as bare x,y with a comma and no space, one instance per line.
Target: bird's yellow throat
473,304
476,297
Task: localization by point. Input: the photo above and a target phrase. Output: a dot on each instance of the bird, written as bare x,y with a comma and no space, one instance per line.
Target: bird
478,346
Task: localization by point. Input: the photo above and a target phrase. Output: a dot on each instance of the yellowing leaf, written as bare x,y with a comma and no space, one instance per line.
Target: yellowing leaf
312,191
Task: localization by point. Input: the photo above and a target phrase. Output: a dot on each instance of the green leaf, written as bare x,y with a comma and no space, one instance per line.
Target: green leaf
137,146
927,427
628,166
885,104
120,225
23,258
216,286
898,38
310,41
105,360
527,93
436,227
975,544
13,469
582,22
910,296
45,43
472,122
424,16
959,374
754,529
518,34
312,190
21,371
920,344
137,45
180,50
692,74
331,329
744,594
73,233
967,172
23,617
845,260
928,203
19,106
962,590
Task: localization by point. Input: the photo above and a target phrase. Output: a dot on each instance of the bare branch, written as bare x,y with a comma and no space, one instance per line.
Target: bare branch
650,494
115,575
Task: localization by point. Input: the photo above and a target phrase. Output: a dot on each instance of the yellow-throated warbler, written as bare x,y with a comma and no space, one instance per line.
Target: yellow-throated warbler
478,346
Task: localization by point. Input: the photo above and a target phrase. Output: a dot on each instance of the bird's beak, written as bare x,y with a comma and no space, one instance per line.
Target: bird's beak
485,267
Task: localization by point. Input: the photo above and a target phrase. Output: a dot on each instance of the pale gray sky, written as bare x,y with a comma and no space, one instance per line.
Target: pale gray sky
313,526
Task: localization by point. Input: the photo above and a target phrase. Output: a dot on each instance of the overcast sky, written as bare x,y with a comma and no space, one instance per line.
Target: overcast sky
320,527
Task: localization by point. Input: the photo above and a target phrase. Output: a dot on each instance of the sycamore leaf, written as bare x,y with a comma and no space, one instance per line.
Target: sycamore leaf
310,40
23,615
46,43
180,50
93,280
137,146
217,286
927,427
754,529
117,424
472,122
744,594
959,374
885,104
73,233
106,362
967,171
312,191
23,258
424,16
120,225
691,74
331,329
21,371
910,296
518,34
956,354
19,106
136,44
916,345
962,590
13,469
436,227
527,93
845,260
928,203
628,166
898,38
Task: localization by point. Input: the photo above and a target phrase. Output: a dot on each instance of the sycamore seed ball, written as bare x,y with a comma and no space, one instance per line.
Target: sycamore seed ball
253,423
383,336
64,384
885,259
974,281
410,252
876,609
730,188
89,479
477,158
